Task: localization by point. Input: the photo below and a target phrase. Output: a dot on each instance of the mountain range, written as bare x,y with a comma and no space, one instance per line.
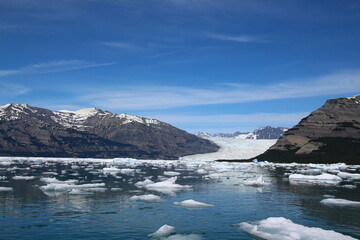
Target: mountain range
32,131
329,134
260,133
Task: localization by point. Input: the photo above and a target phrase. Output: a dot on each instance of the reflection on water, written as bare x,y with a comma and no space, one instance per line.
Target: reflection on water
96,203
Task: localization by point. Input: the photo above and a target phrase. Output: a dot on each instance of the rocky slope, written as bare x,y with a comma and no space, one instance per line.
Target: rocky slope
261,133
329,134
31,131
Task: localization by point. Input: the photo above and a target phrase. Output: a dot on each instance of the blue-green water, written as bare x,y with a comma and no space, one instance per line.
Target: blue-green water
27,212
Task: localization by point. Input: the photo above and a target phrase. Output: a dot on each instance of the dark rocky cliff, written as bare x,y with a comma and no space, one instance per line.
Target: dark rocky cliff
31,131
328,135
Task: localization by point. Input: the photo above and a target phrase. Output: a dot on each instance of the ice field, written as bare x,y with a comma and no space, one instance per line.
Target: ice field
139,199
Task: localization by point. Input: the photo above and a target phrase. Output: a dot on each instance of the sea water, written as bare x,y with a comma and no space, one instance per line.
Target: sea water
31,208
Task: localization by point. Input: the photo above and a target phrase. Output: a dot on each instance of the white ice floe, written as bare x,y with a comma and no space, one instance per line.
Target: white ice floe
338,202
348,186
66,187
167,186
191,236
79,192
146,198
321,177
6,189
279,228
23,178
201,171
258,182
193,204
163,231
328,196
350,176
171,174
142,184
54,180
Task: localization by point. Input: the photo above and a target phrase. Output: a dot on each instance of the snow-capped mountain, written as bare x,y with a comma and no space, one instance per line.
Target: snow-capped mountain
261,133
32,131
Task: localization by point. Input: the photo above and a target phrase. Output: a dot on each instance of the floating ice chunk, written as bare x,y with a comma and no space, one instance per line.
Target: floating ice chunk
349,186
275,228
171,174
2,177
23,178
328,196
167,186
338,202
54,180
111,170
65,187
146,198
346,175
6,189
191,236
163,231
324,176
142,184
193,204
201,171
258,182
50,173
79,192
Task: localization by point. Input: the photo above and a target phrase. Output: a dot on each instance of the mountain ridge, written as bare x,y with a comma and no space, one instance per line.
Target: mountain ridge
92,132
329,134
266,132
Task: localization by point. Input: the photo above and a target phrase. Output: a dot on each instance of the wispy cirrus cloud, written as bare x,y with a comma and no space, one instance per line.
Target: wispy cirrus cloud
233,122
123,45
54,66
12,90
234,38
164,97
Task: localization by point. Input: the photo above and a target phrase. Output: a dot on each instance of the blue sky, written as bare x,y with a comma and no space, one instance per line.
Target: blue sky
201,65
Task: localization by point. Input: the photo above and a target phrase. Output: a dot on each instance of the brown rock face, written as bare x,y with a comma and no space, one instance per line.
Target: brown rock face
31,131
329,134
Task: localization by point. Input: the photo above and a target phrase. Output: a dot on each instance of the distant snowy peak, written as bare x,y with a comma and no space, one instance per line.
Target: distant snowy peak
71,119
13,111
260,133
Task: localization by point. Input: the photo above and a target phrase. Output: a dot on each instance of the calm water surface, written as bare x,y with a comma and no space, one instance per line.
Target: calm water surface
107,212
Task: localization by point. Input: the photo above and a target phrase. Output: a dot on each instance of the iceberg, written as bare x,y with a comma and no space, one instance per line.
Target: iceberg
26,178
167,186
193,204
338,202
258,182
171,174
276,228
321,177
146,198
6,189
350,176
163,231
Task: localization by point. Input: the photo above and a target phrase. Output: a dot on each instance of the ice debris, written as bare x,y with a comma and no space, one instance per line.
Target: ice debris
275,228
193,204
146,198
338,202
258,182
163,231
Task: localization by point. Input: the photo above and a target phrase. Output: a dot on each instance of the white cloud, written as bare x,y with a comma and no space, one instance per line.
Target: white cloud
12,90
232,122
120,45
239,38
54,66
163,97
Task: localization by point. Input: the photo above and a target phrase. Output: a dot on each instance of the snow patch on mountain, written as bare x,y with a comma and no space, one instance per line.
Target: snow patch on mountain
71,119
